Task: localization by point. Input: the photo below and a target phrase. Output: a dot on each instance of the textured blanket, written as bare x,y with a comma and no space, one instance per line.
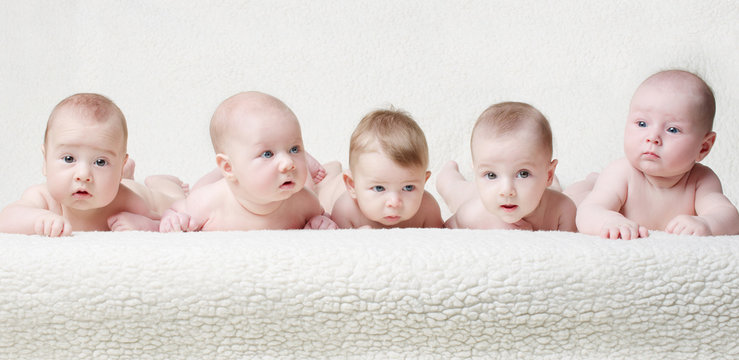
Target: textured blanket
368,293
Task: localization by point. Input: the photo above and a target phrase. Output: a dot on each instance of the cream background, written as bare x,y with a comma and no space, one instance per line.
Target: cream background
168,64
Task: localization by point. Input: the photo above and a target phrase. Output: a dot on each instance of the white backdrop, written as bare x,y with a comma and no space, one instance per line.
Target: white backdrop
168,64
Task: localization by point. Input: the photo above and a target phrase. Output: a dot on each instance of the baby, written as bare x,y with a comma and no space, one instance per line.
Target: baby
85,162
659,185
512,168
384,187
259,151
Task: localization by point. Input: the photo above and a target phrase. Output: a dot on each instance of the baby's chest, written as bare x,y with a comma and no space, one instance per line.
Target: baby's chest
655,209
240,219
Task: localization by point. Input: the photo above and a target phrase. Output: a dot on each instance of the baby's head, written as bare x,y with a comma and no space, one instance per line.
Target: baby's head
388,161
85,151
259,148
512,159
670,121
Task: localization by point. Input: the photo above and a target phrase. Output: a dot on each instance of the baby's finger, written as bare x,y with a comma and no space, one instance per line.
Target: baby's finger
643,232
67,228
56,228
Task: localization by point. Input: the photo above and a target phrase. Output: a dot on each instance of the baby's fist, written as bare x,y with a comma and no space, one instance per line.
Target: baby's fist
52,225
321,222
688,225
173,221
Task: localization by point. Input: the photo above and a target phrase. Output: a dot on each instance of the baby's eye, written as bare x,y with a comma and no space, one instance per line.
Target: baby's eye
68,159
523,174
295,149
378,188
409,188
490,175
673,130
641,123
101,162
267,154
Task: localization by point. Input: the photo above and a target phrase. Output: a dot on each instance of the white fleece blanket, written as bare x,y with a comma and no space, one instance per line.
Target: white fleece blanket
368,293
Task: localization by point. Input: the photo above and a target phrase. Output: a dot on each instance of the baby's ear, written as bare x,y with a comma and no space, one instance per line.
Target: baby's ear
349,183
224,163
428,174
550,172
706,145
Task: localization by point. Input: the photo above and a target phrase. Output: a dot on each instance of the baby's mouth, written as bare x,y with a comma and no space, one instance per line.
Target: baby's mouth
287,185
81,194
650,155
509,207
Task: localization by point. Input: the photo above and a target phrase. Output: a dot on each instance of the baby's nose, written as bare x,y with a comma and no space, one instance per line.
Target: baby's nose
393,200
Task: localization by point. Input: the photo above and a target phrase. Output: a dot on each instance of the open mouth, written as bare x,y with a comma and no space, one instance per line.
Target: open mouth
509,207
287,185
81,194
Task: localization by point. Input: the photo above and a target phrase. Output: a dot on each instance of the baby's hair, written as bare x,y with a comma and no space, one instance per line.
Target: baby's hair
397,135
506,117
95,106
222,122
708,105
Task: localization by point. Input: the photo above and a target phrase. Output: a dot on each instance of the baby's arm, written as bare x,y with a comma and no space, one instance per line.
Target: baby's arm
598,214
716,215
32,215
191,213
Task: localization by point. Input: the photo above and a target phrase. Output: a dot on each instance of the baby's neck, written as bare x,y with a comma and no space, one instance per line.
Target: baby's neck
662,182
260,209
86,220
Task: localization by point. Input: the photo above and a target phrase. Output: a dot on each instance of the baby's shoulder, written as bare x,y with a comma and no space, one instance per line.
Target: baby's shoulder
39,196
305,201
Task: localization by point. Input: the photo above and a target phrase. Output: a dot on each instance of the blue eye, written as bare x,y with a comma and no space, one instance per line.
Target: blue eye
641,123
68,159
409,188
267,154
490,176
673,130
378,188
101,162
523,174
295,149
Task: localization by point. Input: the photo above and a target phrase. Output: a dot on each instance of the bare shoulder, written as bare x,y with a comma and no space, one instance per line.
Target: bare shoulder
430,211
472,214
346,213
557,200
38,196
704,174
561,209
307,202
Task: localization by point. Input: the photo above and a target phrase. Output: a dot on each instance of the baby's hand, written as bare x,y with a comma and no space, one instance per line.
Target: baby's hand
521,225
127,221
173,221
688,225
321,222
52,225
623,228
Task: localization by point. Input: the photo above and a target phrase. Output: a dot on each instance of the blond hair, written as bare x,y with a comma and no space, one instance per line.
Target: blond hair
689,80
396,133
93,106
506,117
